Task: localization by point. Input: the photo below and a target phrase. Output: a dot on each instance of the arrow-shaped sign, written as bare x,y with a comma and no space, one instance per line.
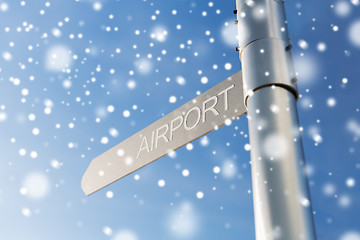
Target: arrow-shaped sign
205,113
271,94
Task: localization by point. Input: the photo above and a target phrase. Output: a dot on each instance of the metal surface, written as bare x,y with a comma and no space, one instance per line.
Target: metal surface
194,119
259,19
281,196
265,63
264,46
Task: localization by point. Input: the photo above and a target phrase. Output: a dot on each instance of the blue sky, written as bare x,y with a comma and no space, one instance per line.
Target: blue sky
78,77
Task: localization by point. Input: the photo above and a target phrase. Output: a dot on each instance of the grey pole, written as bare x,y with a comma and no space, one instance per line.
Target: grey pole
281,195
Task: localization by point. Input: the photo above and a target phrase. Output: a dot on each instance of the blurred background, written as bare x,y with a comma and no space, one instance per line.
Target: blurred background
79,76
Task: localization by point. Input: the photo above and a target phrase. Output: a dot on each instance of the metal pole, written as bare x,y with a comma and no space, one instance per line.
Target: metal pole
281,195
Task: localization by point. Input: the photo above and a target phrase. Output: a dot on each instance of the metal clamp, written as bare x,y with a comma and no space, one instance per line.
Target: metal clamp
266,63
264,46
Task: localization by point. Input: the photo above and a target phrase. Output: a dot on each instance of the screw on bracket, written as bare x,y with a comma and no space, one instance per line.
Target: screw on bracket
236,21
294,80
237,49
288,47
235,11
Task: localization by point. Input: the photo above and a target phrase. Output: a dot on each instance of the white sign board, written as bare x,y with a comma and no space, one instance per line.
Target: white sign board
203,114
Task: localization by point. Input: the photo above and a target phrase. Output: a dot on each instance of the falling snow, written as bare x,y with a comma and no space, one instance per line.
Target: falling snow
78,77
